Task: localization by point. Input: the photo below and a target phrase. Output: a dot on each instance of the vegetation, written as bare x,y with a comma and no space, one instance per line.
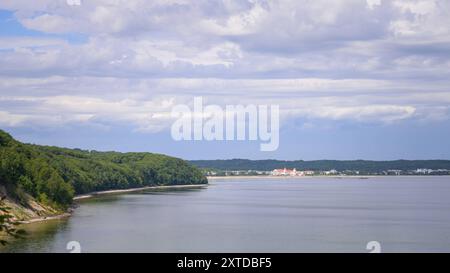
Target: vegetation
54,175
363,166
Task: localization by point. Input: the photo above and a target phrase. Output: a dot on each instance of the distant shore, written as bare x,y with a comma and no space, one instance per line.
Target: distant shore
290,177
313,176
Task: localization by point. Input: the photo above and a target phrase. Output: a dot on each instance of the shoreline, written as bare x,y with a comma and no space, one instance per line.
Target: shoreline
48,218
110,192
69,212
86,196
313,176
290,177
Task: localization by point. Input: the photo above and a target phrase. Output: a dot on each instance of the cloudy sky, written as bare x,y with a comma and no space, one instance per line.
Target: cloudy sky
354,79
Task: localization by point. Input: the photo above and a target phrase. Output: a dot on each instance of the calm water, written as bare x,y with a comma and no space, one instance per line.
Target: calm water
260,215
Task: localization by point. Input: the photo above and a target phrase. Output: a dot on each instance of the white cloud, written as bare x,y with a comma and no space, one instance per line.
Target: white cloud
359,60
372,4
50,23
29,42
8,119
384,113
417,7
147,103
242,23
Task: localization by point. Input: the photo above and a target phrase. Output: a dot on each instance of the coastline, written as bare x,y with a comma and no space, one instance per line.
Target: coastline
48,218
109,192
312,176
289,177
69,212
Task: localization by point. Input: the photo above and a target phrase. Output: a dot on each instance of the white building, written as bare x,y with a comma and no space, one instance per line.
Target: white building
285,172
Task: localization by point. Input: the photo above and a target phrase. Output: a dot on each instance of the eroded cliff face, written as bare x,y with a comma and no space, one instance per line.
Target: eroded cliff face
29,210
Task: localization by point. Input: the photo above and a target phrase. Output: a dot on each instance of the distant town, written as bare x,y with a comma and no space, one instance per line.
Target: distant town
271,167
294,172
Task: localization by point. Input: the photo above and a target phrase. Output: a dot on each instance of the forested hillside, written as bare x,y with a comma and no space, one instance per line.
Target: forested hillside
54,175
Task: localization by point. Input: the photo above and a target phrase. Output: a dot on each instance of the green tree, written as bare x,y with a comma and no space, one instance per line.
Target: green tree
54,175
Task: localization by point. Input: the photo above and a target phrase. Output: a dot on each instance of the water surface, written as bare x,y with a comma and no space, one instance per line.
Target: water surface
404,214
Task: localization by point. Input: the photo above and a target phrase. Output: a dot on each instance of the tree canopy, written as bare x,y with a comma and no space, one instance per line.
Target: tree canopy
54,175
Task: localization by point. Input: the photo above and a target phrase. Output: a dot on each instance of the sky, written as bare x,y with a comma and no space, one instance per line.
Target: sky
354,79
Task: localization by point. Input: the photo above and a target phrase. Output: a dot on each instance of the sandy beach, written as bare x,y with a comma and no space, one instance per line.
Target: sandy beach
99,193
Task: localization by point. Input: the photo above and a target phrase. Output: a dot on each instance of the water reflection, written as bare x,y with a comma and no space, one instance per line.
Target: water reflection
38,236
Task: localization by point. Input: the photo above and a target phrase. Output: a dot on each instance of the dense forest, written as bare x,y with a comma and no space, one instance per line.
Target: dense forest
54,175
364,166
